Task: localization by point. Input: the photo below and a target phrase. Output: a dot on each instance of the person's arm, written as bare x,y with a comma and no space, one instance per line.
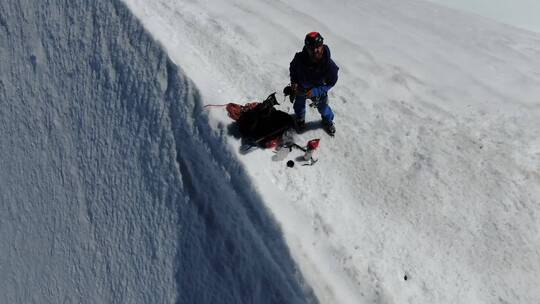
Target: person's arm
331,79
295,76
293,71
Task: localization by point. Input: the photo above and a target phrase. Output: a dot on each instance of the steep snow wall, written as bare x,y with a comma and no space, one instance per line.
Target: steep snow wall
434,171
113,188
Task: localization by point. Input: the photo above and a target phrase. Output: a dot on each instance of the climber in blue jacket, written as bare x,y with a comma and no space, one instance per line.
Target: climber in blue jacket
313,73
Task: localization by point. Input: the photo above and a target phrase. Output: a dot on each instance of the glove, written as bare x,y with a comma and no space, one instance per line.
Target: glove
314,92
318,91
290,91
287,90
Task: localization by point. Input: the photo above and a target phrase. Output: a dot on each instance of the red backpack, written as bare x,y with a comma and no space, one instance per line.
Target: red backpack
235,111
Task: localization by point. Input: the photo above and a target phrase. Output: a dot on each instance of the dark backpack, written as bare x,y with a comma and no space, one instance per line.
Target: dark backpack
263,122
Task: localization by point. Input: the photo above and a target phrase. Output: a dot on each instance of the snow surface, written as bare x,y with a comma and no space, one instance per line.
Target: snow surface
520,13
116,186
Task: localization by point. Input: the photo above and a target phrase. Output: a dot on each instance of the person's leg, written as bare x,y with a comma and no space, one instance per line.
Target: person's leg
300,107
324,109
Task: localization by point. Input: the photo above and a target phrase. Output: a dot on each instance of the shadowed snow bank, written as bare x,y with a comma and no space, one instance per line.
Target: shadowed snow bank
113,188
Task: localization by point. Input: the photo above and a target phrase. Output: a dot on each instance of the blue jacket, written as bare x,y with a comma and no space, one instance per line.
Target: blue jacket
318,77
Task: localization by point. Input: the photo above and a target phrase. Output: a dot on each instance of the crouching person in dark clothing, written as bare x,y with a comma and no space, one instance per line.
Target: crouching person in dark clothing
313,73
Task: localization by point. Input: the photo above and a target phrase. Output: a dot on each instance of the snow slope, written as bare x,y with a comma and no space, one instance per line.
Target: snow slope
434,172
520,13
113,187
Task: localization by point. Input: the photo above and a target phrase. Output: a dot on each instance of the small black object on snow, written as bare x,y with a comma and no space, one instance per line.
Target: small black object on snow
290,164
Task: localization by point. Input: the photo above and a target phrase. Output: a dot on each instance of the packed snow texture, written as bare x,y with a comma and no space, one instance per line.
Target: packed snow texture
519,13
113,187
434,171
